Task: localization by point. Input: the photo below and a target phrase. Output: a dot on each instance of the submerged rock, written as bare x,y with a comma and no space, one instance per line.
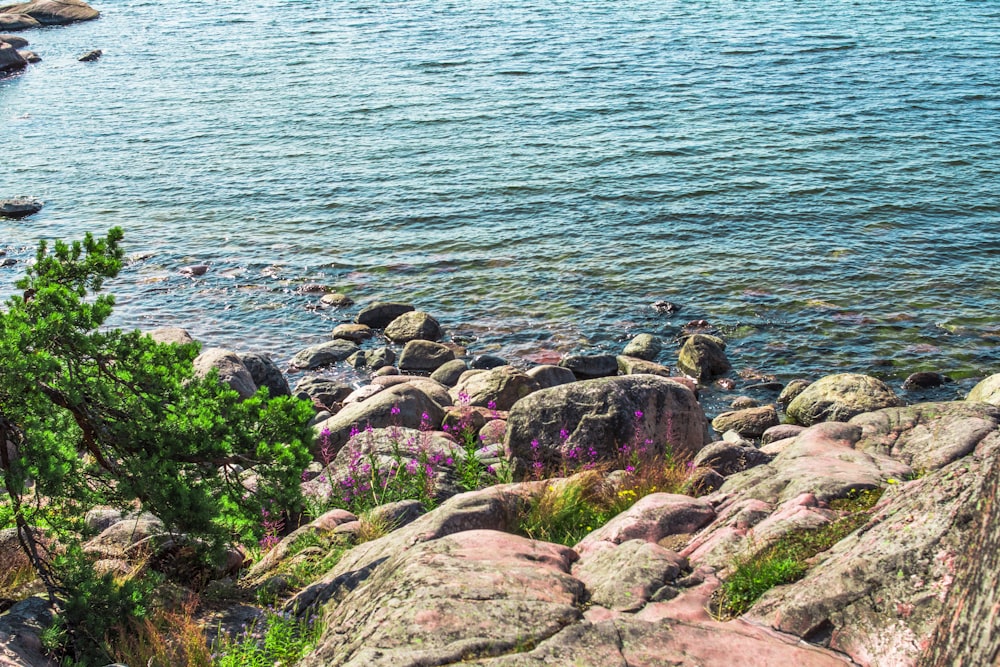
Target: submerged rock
91,56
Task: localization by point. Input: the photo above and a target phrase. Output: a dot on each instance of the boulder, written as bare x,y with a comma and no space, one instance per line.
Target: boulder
635,366
356,333
493,432
16,22
839,397
727,458
424,356
54,12
502,387
590,366
14,40
172,335
487,361
324,354
780,432
644,346
18,207
21,630
702,481
336,300
265,373
402,405
30,57
744,402
605,414
230,368
791,390
651,519
435,390
413,325
703,357
987,391
323,390
379,314
449,372
372,360
91,56
924,380
749,423
547,375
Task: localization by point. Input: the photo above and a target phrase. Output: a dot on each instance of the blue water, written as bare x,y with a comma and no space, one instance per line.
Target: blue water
819,180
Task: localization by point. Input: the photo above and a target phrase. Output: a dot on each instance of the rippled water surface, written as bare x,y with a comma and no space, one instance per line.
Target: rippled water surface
818,180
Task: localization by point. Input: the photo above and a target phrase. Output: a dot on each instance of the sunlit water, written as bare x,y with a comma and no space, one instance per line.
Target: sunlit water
818,180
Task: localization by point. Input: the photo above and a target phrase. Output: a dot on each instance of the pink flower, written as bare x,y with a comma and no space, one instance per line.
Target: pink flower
638,414
394,410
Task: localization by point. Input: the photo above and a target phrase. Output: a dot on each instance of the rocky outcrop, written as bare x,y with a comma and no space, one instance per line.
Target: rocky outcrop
11,59
840,397
703,357
16,22
54,12
21,629
604,414
987,391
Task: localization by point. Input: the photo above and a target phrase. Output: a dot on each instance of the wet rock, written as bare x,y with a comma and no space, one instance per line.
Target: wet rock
487,362
449,372
644,346
380,314
703,357
54,12
924,380
15,23
548,376
30,57
625,577
743,402
728,458
230,368
356,333
91,56
171,335
665,307
193,270
780,432
987,391
14,40
424,356
18,207
604,414
414,325
749,423
590,366
635,366
402,405
372,360
324,354
791,390
765,386
500,387
322,390
336,300
265,373
840,397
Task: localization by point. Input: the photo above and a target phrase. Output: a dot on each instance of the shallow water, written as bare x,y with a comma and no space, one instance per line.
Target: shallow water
818,180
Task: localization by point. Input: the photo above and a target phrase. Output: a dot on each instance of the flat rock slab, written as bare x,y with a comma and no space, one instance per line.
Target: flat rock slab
652,518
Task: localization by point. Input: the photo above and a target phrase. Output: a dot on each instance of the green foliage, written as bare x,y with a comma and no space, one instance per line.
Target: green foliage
281,640
786,561
109,417
567,511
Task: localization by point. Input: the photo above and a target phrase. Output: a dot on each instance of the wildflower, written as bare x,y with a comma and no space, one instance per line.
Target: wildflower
638,414
563,434
394,410
463,398
449,461
534,446
354,430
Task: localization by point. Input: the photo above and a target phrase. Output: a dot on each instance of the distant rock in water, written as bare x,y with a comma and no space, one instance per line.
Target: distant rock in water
14,40
91,56
10,59
19,207
53,12
30,56
15,22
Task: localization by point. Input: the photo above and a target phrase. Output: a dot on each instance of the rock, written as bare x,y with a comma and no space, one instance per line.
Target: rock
987,391
171,335
324,354
927,436
118,537
626,577
652,518
379,314
878,594
493,432
372,360
590,366
502,387
21,630
665,307
924,380
791,390
230,368
743,402
377,412
30,57
749,423
18,207
193,270
780,432
449,372
487,361
54,12
336,300
91,56
386,370
435,390
644,346
703,357
265,373
602,414
727,458
413,325
424,356
323,390
703,481
14,40
840,397
323,525
398,514
15,23
356,333
460,417
551,376
634,366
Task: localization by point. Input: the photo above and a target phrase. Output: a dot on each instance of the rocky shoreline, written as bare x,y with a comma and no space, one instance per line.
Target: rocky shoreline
14,57
459,584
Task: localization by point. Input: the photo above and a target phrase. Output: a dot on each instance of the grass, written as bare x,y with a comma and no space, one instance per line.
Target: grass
281,640
786,561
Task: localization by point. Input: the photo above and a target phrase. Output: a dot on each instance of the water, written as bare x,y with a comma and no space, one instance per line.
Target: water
818,180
